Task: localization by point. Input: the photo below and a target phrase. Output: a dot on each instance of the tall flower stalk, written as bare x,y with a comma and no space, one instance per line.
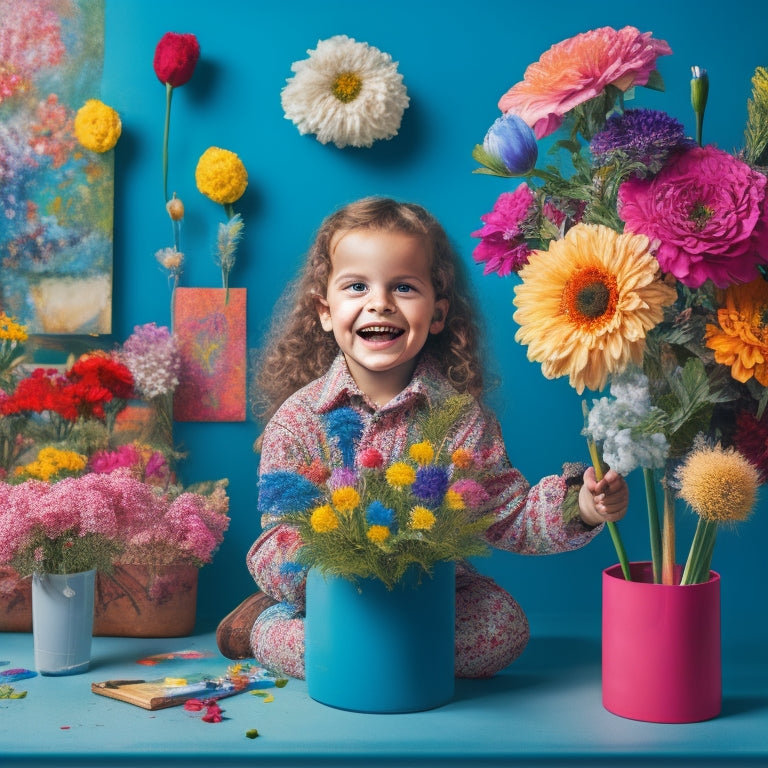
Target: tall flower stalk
720,485
176,57
221,176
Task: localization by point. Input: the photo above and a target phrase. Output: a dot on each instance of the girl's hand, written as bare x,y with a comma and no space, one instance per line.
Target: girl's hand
603,501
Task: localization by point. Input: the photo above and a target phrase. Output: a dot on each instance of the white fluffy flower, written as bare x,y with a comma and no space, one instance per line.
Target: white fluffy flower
346,92
620,423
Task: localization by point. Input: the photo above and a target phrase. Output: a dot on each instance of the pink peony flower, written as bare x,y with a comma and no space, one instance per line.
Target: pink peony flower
708,212
578,69
503,247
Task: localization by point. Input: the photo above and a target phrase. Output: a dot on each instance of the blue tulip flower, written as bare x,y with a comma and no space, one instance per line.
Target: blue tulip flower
511,143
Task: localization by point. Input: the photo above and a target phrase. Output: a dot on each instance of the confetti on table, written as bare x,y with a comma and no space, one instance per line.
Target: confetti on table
252,733
264,695
9,692
18,673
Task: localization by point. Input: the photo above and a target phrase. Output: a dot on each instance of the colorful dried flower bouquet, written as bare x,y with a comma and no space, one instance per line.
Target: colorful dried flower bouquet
82,488
641,260
367,520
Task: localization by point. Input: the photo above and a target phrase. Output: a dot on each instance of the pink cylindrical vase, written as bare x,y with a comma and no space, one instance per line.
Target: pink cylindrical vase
661,647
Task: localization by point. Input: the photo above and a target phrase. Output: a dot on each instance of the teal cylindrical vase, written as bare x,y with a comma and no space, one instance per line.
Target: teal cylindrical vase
62,622
372,649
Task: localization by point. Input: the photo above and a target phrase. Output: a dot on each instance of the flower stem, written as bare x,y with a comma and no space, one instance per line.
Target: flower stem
613,529
700,557
761,404
668,537
166,133
653,523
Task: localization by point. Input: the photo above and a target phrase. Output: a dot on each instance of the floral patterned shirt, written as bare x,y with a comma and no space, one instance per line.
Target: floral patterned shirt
529,518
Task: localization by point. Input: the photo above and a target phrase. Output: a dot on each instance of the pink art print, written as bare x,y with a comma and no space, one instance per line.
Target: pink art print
212,340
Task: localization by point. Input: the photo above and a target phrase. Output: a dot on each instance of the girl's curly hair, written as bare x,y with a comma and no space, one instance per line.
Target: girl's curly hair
298,350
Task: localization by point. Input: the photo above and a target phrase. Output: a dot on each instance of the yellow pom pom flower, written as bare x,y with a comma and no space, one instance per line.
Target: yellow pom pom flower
421,519
400,474
323,519
221,176
97,126
422,453
346,498
454,500
719,484
378,534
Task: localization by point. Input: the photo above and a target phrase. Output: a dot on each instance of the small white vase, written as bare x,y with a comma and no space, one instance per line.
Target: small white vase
62,622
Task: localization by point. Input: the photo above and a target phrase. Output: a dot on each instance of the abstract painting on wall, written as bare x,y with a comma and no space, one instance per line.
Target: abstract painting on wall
211,333
56,198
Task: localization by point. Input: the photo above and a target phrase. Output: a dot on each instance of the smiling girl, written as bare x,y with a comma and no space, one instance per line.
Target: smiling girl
381,321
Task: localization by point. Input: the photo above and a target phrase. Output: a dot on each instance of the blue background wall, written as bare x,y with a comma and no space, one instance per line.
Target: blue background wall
457,58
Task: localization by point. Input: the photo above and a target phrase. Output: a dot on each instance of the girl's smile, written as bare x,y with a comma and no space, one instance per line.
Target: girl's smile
381,307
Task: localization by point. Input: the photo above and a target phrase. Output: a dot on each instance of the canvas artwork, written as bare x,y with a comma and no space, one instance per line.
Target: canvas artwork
211,333
56,198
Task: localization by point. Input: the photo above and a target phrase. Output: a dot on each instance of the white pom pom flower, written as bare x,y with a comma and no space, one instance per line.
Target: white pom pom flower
346,92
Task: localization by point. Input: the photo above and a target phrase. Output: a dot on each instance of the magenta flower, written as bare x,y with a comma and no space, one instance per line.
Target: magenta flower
708,213
503,247
471,491
578,69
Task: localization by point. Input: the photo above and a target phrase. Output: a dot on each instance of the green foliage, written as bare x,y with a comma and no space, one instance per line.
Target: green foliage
66,554
756,131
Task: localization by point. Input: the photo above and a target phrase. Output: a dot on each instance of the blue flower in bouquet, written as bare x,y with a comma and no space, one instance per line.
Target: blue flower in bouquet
379,514
509,147
345,426
283,491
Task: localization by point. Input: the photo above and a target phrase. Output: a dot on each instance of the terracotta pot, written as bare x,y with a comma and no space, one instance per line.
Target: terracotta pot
131,602
15,601
128,602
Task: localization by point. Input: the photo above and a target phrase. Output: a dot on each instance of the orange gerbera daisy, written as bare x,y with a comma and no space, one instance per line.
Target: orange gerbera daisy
740,339
585,305
578,69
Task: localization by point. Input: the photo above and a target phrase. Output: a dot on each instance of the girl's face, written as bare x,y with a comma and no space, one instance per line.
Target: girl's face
381,307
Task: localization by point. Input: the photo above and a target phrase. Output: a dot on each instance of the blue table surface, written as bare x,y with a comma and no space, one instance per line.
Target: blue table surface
543,710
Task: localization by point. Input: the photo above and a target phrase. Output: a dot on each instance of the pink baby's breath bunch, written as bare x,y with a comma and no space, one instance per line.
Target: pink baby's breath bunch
97,520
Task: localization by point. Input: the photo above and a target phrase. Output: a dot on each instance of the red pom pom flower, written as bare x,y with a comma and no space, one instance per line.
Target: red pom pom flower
176,56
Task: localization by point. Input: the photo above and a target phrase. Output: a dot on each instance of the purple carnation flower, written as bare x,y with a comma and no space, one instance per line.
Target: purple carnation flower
646,136
430,485
342,476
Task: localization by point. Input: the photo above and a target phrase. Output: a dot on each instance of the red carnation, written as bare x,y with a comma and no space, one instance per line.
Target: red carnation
175,58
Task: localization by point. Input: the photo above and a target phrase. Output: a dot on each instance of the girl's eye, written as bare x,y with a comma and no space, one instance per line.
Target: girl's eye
404,288
357,287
